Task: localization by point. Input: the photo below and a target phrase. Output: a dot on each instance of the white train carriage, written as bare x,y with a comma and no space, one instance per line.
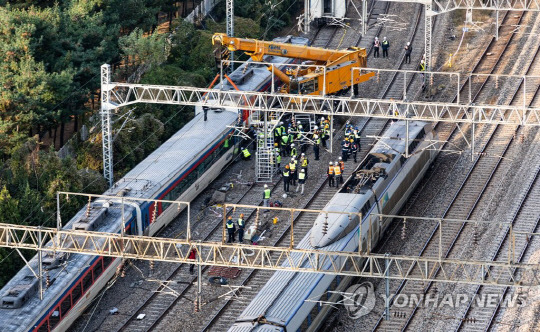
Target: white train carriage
382,183
326,11
178,170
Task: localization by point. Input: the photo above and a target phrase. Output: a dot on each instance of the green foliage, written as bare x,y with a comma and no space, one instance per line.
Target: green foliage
150,50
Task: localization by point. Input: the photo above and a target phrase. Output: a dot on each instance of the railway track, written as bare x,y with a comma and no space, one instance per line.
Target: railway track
222,319
508,134
525,219
161,302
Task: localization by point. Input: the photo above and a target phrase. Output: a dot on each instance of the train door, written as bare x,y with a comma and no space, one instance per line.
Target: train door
375,223
327,7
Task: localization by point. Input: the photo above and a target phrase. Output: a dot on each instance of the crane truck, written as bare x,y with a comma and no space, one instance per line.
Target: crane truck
333,74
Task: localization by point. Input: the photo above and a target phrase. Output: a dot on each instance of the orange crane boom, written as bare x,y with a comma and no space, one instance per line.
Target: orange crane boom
337,76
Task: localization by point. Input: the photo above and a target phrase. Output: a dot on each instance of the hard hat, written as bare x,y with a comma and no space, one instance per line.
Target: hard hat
339,158
299,126
330,163
303,154
303,170
376,38
316,128
408,43
384,38
336,163
292,144
275,144
241,215
298,122
230,218
281,122
286,166
322,117
265,186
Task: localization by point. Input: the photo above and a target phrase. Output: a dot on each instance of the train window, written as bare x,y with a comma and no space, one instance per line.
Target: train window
44,327
87,281
65,306
76,293
54,318
108,260
98,269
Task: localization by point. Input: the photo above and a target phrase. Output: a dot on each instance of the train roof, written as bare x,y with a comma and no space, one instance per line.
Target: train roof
145,180
175,154
270,300
393,141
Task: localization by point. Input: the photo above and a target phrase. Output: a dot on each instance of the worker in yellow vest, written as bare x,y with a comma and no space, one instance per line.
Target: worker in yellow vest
304,164
292,167
231,229
286,178
266,195
337,172
241,226
301,181
246,155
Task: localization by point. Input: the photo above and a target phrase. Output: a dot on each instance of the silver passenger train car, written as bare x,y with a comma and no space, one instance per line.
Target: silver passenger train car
179,169
381,184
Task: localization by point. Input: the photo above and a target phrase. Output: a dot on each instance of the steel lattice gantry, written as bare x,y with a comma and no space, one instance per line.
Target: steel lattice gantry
270,258
126,94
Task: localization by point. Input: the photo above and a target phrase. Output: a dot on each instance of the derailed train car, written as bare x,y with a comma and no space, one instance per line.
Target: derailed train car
179,169
381,184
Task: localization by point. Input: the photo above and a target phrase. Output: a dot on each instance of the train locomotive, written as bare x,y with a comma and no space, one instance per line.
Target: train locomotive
381,184
180,169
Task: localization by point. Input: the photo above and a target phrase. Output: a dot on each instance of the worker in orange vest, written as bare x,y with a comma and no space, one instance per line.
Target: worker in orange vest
337,172
331,182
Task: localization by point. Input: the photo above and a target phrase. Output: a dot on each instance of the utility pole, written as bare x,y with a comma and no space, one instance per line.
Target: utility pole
230,27
106,125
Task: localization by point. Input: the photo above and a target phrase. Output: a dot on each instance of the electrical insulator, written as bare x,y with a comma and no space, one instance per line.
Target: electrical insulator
196,304
154,213
88,207
48,280
152,266
404,229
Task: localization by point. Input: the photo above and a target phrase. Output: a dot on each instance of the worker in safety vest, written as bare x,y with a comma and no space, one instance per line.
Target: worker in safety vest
337,172
277,134
285,145
266,195
241,226
277,155
341,164
294,152
345,146
231,229
286,178
246,155
357,137
301,181
325,135
316,143
304,164
292,167
354,149
331,182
